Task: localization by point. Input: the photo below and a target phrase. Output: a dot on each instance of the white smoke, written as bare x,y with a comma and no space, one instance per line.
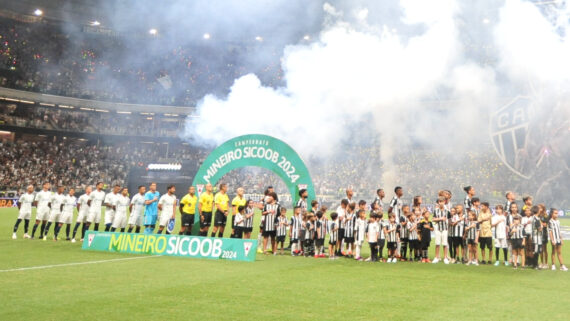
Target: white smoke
354,72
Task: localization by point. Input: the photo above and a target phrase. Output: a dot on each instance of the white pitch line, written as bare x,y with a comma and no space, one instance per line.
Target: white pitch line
77,263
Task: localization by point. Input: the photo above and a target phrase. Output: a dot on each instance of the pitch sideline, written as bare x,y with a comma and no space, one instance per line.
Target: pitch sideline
76,263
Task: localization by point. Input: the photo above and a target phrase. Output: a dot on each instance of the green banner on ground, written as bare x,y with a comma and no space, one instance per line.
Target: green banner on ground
173,245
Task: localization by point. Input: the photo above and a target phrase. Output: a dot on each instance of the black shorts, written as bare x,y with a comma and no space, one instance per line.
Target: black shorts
341,234
233,221
349,240
404,240
187,219
517,244
269,233
471,242
207,219
486,242
281,238
414,244
220,219
294,241
319,242
247,229
392,245
332,242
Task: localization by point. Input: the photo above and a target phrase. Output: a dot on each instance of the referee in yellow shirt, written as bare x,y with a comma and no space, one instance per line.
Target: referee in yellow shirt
238,201
187,211
221,202
205,206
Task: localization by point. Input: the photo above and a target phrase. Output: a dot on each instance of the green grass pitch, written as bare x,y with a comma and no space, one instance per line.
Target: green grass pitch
118,286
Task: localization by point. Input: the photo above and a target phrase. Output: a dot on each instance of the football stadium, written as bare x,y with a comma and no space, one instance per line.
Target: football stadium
288,160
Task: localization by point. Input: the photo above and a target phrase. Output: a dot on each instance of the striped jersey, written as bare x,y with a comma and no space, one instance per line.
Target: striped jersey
271,216
404,230
302,203
349,225
396,205
320,229
554,231
382,226
281,226
341,213
295,224
412,230
467,204
333,231
248,222
536,230
360,229
391,237
309,230
458,229
517,232
439,213
472,232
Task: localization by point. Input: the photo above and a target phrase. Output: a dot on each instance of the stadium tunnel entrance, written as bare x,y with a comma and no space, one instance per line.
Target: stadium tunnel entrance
257,151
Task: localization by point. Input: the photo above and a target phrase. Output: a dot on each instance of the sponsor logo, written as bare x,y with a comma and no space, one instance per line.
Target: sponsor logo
247,247
90,239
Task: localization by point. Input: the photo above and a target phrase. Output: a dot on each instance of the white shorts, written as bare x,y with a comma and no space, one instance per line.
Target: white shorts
164,218
42,214
109,216
54,216
135,219
501,243
441,237
25,215
82,216
94,217
120,220
65,218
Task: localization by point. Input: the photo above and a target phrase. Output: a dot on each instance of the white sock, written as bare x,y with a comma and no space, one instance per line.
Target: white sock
259,242
358,247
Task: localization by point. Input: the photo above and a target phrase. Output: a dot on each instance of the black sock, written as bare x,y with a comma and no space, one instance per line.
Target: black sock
497,254
188,232
107,227
220,234
181,232
56,230
96,229
212,235
75,228
123,230
16,225
46,229
130,229
505,253
84,228
138,229
26,225
112,229
67,230
34,229
159,231
43,229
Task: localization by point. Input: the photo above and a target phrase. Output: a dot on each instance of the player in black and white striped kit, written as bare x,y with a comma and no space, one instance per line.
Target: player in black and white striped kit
270,212
281,226
404,232
295,231
440,222
349,226
320,233
248,219
396,208
555,239
333,235
516,231
457,230
392,238
467,204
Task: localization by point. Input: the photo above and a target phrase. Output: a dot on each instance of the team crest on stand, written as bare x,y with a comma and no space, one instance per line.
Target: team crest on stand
247,247
90,239
509,134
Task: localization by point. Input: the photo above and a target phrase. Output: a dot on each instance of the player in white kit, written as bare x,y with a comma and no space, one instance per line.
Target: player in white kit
167,207
66,214
137,210
25,206
82,213
121,205
110,206
55,205
95,201
41,202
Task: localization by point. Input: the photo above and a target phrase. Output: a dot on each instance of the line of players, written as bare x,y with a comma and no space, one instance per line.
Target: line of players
460,227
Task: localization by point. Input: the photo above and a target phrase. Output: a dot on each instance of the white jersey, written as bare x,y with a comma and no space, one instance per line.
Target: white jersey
83,206
122,204
25,202
69,204
56,201
111,199
168,202
138,204
373,232
96,197
341,213
360,229
501,227
43,198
